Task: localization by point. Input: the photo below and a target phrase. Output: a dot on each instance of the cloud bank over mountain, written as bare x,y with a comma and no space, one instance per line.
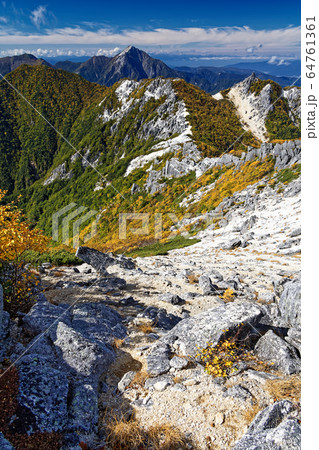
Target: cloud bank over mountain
218,41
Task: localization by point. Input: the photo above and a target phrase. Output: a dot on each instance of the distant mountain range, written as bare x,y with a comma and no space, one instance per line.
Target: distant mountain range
10,63
135,64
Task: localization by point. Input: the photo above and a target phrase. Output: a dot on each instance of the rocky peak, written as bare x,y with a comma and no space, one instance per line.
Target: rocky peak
252,109
247,82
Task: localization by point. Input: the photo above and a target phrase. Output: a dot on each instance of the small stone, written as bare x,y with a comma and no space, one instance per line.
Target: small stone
126,381
190,382
173,299
219,418
179,387
160,386
295,233
178,363
158,361
206,285
239,392
267,297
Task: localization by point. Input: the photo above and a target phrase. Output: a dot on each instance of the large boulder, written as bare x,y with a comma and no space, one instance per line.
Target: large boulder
83,409
279,353
294,337
82,357
272,429
43,390
101,261
98,322
43,315
213,325
290,303
195,332
271,416
60,375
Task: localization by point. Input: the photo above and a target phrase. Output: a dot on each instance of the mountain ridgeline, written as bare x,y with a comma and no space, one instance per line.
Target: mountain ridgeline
137,65
135,146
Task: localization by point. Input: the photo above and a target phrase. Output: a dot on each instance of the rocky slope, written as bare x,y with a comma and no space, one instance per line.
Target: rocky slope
254,107
126,341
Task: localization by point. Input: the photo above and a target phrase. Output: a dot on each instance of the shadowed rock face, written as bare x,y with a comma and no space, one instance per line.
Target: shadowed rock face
101,261
283,356
272,429
59,375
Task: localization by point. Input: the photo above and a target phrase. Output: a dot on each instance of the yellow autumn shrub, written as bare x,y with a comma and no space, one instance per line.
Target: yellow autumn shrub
17,236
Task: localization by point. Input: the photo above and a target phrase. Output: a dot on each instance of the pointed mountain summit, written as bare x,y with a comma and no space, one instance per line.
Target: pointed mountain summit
130,63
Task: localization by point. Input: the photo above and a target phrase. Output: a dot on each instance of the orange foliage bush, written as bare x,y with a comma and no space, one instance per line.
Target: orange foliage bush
17,236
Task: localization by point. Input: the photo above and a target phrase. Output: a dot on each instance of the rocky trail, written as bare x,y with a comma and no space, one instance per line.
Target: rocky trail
112,336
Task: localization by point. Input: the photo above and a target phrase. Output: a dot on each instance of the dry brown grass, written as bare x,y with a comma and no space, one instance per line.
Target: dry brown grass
178,379
145,328
139,378
263,302
35,272
250,413
192,278
118,343
287,388
166,437
57,273
125,434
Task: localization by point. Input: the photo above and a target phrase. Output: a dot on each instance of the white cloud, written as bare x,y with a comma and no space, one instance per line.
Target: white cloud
273,60
105,52
67,52
232,41
278,61
235,38
38,16
253,49
3,19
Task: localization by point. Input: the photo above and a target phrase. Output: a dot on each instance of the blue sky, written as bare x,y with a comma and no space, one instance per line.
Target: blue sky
207,30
